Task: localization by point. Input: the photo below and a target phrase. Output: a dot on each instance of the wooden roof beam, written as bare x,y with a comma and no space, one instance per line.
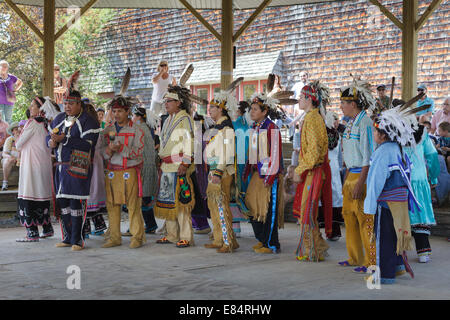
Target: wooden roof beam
201,19
424,18
25,19
77,17
252,18
387,13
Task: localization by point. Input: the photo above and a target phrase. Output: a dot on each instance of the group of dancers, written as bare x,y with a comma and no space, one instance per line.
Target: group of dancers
230,158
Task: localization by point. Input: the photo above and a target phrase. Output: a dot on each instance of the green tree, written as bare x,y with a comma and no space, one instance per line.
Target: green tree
24,51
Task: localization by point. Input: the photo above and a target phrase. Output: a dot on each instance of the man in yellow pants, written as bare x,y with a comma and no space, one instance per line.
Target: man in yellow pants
122,149
358,146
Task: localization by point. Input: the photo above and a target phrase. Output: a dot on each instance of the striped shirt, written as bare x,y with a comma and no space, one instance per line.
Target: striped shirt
358,143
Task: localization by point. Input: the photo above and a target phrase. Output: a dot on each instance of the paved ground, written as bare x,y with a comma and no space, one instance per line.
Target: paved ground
38,271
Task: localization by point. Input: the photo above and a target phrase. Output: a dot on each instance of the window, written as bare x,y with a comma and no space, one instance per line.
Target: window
249,90
202,93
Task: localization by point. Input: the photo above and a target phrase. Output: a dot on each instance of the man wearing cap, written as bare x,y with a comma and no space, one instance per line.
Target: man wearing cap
123,149
10,153
425,101
175,199
382,98
73,135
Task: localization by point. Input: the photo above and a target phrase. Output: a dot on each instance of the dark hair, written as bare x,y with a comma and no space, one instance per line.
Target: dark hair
90,110
273,114
243,106
28,113
270,82
444,126
184,94
348,93
419,133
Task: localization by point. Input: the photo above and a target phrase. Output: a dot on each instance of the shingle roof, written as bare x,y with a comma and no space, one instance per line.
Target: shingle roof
162,4
251,67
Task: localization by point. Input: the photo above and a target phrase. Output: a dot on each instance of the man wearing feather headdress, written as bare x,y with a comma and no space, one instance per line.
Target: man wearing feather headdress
73,135
219,154
175,199
315,174
358,146
264,197
123,147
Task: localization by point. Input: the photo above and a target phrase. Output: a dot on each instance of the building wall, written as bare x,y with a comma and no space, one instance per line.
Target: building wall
329,40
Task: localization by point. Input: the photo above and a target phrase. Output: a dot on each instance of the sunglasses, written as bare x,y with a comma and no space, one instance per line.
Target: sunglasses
420,90
56,69
163,65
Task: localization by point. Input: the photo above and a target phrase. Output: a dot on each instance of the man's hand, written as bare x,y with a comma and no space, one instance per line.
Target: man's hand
358,190
181,170
57,138
52,144
114,147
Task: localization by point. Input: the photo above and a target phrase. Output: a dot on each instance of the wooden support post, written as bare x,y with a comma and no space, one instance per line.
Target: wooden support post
252,18
25,19
201,19
409,49
49,47
72,21
423,19
227,44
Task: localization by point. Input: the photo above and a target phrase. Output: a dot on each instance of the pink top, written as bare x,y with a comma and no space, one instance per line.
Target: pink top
439,117
3,132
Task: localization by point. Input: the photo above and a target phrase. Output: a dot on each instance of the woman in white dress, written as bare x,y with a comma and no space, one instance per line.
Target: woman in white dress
35,175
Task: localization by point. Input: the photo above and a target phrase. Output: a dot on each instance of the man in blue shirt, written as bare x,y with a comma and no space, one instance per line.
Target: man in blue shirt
425,100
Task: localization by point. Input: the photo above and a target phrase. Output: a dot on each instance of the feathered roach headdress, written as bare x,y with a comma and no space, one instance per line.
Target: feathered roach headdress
72,92
400,123
319,93
120,100
360,92
226,100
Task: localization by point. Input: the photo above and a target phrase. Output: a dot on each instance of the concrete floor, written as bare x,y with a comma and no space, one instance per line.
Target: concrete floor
38,271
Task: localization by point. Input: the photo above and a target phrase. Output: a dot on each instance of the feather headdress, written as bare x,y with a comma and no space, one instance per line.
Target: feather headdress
121,100
226,100
48,109
72,87
359,91
400,122
319,93
265,100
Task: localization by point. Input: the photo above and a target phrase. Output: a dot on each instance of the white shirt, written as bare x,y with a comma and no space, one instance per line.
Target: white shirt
297,88
160,87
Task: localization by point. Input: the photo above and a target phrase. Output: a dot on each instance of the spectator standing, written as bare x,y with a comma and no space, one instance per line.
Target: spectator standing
10,153
9,84
60,86
382,98
425,101
161,81
3,131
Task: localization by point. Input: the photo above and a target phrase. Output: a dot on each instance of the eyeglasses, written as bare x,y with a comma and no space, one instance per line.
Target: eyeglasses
56,69
163,65
169,100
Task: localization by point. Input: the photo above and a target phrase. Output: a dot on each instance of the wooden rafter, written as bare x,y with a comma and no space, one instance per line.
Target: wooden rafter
387,13
201,19
250,20
74,19
25,19
427,14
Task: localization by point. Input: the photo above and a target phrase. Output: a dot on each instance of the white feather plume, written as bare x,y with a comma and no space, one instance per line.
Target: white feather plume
398,126
364,91
268,101
49,109
330,118
152,118
231,104
248,119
